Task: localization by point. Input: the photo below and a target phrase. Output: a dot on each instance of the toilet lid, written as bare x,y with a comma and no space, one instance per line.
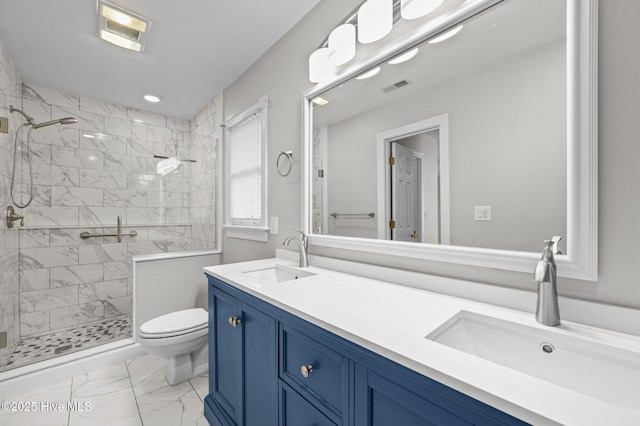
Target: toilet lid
175,322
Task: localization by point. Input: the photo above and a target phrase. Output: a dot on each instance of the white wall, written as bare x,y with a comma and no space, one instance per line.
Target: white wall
282,74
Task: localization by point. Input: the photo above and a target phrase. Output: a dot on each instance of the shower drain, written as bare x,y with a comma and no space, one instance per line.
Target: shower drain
61,349
547,348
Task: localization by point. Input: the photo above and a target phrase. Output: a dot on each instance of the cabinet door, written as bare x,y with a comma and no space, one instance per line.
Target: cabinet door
243,363
381,402
225,355
260,368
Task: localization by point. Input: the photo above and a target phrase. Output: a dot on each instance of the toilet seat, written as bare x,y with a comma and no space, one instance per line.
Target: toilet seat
175,324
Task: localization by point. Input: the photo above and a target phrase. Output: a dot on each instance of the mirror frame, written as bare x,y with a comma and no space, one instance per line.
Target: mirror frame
581,262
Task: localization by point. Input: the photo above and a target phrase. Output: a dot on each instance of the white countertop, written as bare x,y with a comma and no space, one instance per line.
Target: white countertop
393,320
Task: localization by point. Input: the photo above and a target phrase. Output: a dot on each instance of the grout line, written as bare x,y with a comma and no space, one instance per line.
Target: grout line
135,397
70,400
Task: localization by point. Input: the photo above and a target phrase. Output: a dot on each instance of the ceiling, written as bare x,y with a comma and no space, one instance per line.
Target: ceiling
194,49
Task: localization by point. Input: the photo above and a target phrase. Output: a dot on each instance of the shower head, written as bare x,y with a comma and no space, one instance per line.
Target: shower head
33,124
65,120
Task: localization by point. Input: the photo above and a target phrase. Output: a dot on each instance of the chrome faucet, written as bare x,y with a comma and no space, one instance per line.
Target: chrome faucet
547,311
303,243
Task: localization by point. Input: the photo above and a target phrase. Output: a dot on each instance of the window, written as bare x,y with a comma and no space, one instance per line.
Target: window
245,173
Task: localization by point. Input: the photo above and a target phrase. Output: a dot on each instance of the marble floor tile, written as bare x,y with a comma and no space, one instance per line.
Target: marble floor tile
201,385
172,406
41,410
147,374
129,393
109,396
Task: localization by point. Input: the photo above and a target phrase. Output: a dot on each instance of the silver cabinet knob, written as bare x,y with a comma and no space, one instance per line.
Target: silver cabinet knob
234,321
306,370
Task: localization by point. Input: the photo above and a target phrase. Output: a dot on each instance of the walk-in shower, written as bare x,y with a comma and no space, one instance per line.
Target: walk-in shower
17,151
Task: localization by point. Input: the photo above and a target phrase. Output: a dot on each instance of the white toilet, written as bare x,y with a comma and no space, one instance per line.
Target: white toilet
181,337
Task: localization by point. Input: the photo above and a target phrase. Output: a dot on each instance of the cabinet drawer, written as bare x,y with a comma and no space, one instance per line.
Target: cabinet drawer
314,369
297,411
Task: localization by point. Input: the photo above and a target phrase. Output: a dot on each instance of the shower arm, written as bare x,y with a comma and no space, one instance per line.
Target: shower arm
27,117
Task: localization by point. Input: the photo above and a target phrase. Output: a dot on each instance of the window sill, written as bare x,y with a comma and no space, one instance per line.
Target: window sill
253,233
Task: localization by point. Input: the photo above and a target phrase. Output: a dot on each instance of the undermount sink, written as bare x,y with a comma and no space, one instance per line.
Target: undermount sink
598,370
277,274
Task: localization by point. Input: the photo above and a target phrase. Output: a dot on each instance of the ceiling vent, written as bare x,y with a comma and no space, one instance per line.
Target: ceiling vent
397,85
121,27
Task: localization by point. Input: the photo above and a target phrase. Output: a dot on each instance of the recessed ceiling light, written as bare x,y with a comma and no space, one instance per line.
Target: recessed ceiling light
151,98
121,27
320,101
404,57
368,74
446,35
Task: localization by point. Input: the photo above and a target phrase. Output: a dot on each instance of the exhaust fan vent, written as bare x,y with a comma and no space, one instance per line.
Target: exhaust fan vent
397,85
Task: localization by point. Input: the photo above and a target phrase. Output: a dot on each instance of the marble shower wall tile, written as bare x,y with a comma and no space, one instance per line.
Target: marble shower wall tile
50,96
74,315
46,257
75,274
98,253
103,290
77,197
87,174
34,279
42,300
51,216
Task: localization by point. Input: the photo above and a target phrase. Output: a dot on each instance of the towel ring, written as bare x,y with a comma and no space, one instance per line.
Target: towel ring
285,170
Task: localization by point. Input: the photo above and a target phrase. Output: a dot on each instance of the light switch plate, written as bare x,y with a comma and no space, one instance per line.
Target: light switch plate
4,125
274,225
482,213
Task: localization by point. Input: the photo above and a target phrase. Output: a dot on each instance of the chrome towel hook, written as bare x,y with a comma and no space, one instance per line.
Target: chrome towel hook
285,169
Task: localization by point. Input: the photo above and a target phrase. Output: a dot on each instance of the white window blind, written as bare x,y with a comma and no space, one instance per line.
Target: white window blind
245,149
245,171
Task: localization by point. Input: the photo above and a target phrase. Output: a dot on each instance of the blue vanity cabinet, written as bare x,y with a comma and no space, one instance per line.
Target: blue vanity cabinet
243,363
270,367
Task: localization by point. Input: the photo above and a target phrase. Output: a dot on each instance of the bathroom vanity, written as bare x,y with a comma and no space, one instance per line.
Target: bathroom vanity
296,346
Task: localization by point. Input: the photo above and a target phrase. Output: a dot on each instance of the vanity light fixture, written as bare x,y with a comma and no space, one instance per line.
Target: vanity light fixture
319,67
342,44
412,9
121,27
368,74
404,57
447,35
375,20
151,98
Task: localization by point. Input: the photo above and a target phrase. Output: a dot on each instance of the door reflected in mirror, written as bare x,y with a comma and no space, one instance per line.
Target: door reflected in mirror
385,168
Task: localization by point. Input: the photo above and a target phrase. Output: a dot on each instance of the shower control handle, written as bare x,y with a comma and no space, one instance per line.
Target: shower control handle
234,321
11,216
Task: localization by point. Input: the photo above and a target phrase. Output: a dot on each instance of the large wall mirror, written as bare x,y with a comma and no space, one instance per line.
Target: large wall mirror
474,150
